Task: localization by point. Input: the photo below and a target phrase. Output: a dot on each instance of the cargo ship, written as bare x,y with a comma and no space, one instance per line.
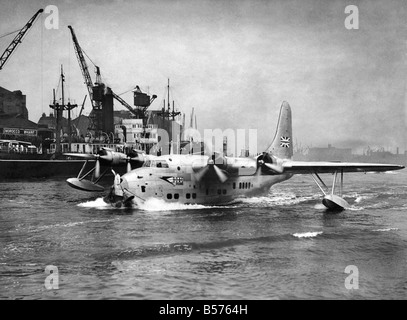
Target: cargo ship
54,146
58,139
55,156
23,160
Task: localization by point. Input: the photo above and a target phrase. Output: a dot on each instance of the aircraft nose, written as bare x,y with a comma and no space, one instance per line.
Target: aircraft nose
124,183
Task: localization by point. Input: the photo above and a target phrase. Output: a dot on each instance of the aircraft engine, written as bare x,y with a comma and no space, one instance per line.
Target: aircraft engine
213,168
269,164
112,158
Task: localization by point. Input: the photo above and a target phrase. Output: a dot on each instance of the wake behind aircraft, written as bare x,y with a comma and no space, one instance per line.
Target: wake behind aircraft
217,179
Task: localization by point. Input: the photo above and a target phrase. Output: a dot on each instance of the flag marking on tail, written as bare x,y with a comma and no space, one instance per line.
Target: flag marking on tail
285,142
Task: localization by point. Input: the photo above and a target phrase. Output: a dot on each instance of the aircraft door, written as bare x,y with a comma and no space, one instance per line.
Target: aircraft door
160,191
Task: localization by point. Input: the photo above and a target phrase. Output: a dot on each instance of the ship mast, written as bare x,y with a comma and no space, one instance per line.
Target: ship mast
59,108
170,113
58,112
168,97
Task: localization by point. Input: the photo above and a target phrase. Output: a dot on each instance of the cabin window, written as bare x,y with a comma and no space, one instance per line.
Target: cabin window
240,185
194,196
143,188
234,185
219,191
176,196
188,195
169,196
224,191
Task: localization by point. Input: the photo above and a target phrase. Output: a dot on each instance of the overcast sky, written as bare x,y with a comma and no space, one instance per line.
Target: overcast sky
233,61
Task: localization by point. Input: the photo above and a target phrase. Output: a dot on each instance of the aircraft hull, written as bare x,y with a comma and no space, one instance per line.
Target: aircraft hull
176,189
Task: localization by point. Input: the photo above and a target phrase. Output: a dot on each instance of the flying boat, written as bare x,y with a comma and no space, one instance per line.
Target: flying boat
216,179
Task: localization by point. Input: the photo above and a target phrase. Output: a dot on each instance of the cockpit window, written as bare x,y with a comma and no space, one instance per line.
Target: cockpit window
162,164
156,164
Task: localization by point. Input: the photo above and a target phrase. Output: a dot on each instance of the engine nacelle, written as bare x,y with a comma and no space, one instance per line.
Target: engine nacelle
233,166
113,158
268,164
216,159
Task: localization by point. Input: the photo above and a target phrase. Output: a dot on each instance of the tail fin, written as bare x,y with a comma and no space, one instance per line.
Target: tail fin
282,145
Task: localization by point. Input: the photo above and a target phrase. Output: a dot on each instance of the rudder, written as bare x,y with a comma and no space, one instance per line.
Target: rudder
282,145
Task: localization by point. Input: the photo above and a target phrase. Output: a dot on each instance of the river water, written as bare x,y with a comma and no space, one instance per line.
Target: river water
284,246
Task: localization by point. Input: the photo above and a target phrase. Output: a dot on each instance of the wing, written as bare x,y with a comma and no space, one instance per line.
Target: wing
87,156
303,167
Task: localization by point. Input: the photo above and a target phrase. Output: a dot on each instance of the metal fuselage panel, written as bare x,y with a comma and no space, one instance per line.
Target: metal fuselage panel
178,184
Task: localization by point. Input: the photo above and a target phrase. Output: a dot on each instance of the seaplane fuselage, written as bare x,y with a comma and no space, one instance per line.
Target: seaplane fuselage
173,178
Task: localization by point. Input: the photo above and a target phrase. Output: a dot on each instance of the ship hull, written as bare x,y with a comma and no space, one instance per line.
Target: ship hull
27,169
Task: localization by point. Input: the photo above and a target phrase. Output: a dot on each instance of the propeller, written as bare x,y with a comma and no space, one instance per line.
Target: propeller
119,195
274,167
109,157
213,168
129,163
106,155
97,167
220,174
90,156
266,162
201,173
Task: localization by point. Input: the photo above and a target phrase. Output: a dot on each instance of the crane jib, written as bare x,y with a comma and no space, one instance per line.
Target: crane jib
18,39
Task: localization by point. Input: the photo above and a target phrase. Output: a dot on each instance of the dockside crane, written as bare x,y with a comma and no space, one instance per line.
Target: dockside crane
96,104
101,96
82,63
18,39
142,101
139,112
